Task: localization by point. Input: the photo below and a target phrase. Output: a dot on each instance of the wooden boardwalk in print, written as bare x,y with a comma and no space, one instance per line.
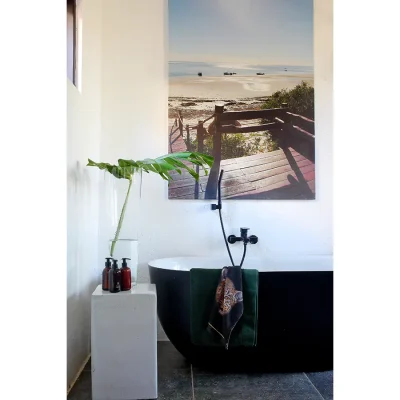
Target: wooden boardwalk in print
176,142
284,174
280,174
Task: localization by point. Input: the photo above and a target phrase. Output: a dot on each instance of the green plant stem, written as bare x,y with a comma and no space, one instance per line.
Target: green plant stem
121,219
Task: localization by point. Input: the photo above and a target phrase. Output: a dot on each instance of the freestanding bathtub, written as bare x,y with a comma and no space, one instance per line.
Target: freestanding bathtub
295,313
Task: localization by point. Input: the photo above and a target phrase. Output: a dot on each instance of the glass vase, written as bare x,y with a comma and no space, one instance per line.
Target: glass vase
112,204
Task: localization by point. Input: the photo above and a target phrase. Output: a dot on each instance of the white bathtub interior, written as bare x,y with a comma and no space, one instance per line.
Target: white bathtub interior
270,264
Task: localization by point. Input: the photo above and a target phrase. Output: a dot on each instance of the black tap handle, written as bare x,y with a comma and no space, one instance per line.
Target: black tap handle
233,239
253,239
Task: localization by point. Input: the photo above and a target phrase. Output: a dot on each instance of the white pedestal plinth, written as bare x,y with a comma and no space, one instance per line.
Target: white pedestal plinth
124,344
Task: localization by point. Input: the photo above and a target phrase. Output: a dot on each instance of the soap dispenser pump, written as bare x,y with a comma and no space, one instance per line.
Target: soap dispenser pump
126,277
106,270
115,278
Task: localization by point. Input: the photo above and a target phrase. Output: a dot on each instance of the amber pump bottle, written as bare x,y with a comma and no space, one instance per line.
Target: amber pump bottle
126,281
114,278
106,270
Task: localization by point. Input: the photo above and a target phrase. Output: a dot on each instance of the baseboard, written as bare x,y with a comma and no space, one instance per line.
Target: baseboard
78,374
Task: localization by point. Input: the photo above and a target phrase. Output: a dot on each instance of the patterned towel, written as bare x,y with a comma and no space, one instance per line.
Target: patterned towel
228,305
224,307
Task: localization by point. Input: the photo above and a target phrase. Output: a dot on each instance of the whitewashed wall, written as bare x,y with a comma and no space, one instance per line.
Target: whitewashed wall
83,141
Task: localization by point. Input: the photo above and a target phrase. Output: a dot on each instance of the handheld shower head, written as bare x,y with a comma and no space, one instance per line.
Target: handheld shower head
219,188
219,205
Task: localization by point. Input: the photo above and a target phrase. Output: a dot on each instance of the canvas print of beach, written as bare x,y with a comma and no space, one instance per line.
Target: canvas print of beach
241,88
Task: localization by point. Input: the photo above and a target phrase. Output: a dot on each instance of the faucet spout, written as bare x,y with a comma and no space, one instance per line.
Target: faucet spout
243,233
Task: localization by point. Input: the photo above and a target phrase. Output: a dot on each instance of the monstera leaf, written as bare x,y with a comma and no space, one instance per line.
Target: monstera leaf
161,165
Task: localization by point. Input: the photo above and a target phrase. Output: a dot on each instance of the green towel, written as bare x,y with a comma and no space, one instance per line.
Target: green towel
203,285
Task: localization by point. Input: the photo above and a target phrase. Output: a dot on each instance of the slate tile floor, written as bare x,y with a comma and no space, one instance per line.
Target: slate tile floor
178,380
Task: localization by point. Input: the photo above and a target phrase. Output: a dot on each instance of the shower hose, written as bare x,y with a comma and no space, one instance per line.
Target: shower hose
222,225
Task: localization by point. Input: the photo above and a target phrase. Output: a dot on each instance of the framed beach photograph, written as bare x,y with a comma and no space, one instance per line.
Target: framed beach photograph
241,88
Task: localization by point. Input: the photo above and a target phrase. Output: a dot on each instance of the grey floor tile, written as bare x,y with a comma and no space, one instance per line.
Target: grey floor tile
323,381
175,379
174,374
168,357
255,386
82,389
173,395
175,382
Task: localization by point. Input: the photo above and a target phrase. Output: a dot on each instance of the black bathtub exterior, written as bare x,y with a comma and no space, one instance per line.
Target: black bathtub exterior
295,322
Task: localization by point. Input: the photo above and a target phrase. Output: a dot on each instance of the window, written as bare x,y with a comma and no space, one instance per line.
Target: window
74,40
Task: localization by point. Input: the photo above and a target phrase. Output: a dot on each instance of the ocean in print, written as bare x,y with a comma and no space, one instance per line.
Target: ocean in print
185,69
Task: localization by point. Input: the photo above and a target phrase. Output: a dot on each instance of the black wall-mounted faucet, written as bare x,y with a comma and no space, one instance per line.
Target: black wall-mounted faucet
232,238
253,239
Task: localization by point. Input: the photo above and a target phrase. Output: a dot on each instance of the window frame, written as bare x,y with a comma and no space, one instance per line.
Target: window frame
72,9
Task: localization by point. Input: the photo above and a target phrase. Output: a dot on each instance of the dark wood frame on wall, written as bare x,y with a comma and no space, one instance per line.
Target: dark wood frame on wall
71,8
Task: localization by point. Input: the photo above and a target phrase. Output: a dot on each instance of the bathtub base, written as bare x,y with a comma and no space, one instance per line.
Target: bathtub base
295,326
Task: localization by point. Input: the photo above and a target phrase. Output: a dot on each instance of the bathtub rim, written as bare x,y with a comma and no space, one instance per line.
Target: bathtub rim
314,263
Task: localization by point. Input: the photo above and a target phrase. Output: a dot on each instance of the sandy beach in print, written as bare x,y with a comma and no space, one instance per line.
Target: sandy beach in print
196,96
234,87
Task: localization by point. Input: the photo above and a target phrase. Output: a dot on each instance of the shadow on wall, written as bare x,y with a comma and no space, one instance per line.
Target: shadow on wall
82,266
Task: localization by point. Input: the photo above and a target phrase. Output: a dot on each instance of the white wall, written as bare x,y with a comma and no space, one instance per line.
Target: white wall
83,142
134,124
